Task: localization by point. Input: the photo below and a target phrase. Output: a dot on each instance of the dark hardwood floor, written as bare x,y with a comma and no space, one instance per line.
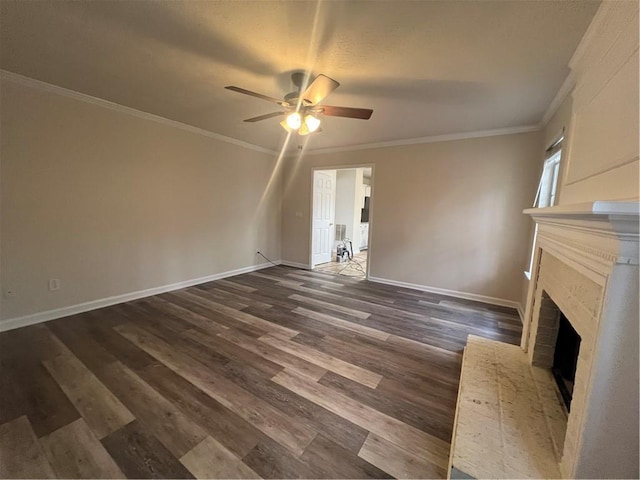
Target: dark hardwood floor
281,373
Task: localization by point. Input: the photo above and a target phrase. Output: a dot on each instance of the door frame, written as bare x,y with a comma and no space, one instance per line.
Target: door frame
371,208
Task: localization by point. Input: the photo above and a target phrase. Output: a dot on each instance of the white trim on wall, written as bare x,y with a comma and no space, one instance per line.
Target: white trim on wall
17,322
287,263
565,89
431,139
48,87
451,293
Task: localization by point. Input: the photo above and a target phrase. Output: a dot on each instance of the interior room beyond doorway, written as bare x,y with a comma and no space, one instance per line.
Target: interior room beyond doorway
341,219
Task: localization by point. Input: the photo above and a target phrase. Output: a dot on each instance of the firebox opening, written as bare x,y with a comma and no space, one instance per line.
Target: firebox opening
565,359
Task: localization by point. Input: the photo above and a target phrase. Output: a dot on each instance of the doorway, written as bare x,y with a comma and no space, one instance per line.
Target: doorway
341,214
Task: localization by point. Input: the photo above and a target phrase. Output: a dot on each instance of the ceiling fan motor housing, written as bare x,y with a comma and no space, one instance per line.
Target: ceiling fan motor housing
292,99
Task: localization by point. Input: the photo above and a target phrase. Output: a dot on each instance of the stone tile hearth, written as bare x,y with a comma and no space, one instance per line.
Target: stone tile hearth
508,415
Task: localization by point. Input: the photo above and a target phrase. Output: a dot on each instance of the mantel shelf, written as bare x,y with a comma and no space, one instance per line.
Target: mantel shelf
600,208
604,217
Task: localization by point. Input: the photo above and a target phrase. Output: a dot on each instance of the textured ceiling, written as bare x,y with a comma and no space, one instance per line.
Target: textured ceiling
425,67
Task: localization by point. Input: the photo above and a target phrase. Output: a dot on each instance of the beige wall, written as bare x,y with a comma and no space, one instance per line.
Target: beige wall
111,204
445,215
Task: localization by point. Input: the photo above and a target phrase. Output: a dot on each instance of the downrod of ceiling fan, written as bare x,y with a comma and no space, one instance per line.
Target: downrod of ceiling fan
297,78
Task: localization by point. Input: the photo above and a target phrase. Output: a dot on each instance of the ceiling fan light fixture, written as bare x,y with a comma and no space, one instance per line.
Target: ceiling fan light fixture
312,123
304,130
285,126
294,121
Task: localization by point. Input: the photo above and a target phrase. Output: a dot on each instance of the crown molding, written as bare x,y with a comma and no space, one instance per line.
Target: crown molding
48,87
433,139
565,89
83,97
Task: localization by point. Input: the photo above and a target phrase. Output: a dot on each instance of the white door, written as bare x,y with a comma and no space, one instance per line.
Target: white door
324,193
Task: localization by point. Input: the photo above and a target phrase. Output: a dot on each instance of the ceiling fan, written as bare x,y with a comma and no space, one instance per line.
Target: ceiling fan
302,108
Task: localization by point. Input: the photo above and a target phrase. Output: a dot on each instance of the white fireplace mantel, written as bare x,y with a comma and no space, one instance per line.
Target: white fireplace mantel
603,217
586,261
595,235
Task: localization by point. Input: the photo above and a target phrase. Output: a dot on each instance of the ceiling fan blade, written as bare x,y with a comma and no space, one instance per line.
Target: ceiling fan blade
253,94
319,88
349,112
264,117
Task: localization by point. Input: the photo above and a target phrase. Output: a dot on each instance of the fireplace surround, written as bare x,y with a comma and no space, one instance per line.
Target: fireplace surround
586,266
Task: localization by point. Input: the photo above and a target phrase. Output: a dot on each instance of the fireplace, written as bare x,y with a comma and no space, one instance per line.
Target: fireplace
565,359
581,320
557,347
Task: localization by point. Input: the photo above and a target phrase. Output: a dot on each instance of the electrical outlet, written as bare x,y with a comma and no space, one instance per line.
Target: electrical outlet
54,284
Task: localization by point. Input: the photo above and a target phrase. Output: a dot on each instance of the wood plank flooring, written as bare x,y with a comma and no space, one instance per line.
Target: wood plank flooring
281,373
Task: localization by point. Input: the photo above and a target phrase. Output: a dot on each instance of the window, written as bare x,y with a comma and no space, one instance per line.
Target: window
546,196
547,188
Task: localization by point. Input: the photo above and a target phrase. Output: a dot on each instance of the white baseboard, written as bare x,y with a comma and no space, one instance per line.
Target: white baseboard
451,293
17,322
295,264
520,313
